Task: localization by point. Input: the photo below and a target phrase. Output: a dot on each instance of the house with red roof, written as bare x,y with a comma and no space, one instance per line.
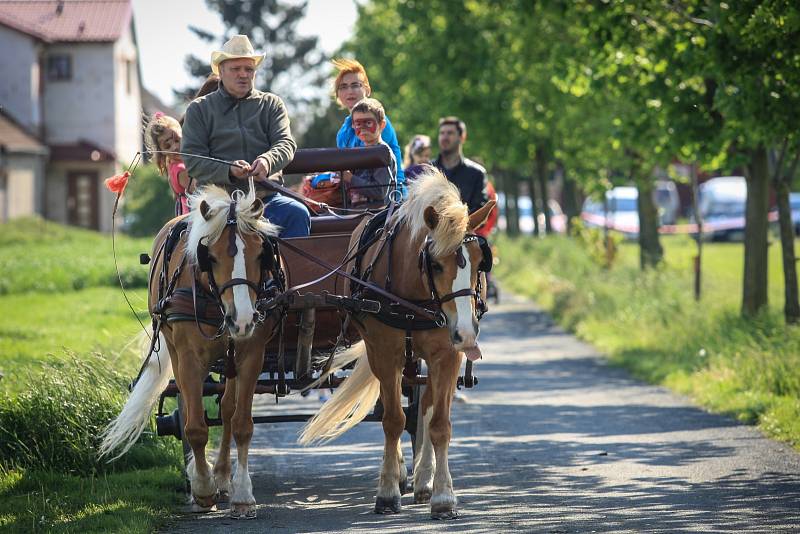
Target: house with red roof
70,107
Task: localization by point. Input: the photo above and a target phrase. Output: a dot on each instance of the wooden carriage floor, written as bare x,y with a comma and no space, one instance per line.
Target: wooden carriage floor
552,440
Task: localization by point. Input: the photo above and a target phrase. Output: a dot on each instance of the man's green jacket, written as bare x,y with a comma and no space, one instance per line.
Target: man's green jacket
224,127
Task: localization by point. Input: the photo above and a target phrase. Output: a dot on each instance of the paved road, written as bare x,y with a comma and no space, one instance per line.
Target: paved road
552,440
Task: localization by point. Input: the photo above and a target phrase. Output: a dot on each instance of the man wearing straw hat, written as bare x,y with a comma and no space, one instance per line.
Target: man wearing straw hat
238,123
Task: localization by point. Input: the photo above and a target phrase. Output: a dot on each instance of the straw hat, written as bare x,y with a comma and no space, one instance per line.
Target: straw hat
237,47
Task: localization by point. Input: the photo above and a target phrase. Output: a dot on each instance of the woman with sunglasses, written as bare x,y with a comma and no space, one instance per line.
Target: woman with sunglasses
351,86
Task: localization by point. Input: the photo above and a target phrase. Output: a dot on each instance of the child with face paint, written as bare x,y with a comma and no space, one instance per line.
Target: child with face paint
369,120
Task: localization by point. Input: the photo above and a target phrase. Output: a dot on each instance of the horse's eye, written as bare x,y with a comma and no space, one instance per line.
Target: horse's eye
437,267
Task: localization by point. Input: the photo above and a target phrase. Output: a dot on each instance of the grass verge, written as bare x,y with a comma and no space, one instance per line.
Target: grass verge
65,373
649,322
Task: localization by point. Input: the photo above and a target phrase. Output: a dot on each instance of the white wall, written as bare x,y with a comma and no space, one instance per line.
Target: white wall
128,104
19,83
22,197
82,107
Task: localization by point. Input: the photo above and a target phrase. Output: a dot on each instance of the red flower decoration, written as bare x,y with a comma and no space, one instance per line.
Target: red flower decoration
116,184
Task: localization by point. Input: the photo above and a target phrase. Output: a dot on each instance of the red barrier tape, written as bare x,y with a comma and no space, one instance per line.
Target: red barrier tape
711,226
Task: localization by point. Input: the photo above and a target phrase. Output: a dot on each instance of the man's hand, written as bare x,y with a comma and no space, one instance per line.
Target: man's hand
259,169
240,169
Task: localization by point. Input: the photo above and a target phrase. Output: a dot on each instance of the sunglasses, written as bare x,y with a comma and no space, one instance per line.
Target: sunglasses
354,86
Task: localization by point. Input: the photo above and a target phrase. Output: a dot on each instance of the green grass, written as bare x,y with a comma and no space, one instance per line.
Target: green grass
48,327
132,502
46,257
650,323
62,334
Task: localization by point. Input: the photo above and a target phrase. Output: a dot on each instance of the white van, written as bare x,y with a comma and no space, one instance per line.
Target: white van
721,202
623,213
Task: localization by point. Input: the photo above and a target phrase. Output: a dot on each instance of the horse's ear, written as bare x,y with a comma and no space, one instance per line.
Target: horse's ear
257,208
205,210
479,216
431,217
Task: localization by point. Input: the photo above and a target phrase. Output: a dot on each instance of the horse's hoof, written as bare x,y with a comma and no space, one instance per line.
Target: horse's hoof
202,505
223,497
444,514
404,487
422,497
243,511
389,505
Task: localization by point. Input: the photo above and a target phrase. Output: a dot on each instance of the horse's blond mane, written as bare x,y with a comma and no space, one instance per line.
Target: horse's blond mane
432,188
219,200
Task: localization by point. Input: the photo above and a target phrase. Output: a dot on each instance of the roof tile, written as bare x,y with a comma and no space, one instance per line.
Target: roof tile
67,20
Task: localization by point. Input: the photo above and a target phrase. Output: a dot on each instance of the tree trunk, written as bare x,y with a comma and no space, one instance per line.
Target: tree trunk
754,286
783,184
570,199
512,200
534,209
541,177
650,251
503,184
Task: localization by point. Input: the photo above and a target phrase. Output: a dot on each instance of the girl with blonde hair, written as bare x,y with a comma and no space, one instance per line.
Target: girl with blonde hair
163,136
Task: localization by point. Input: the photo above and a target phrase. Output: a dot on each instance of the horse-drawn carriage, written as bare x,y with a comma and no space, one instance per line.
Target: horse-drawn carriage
376,291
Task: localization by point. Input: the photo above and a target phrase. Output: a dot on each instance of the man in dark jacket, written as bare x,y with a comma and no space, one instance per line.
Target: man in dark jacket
248,127
468,176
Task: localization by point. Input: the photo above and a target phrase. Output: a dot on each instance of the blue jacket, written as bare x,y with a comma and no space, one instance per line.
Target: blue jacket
346,138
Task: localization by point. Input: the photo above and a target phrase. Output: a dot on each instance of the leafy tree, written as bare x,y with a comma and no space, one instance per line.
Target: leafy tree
291,61
606,92
148,202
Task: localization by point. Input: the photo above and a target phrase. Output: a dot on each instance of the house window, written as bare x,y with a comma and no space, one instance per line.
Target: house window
59,67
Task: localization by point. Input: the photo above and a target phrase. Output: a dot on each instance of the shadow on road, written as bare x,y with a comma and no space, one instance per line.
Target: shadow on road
552,440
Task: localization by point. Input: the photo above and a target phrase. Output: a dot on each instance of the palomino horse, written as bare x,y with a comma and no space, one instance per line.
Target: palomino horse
226,252
433,260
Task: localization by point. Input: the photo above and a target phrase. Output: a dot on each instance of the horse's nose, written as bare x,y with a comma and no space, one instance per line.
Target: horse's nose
457,337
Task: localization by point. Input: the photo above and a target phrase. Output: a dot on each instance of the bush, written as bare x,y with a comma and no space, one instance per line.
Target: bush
55,425
148,202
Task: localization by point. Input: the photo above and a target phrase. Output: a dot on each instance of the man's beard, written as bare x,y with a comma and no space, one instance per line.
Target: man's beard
449,152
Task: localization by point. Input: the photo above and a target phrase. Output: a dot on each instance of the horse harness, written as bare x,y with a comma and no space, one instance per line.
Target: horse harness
396,314
179,304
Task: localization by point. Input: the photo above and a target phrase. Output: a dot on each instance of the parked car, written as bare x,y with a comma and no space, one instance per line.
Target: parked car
721,202
620,212
558,220
794,204
623,212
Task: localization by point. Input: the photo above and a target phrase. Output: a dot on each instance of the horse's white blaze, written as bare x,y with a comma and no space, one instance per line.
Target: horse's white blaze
464,324
241,293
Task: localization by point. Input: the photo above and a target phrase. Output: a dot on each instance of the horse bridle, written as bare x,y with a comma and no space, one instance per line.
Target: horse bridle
426,265
269,262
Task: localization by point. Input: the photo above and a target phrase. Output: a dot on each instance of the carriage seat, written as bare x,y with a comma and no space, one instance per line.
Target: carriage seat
329,224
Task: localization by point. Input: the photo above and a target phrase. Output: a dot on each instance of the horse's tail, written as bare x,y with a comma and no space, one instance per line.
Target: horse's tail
123,431
350,403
